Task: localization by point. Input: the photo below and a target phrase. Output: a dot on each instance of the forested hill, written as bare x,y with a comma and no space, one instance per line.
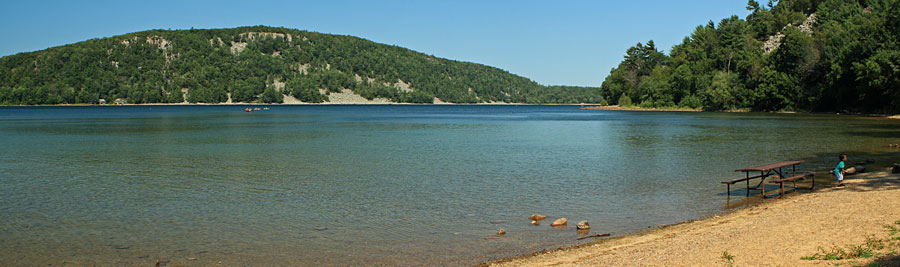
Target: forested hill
257,64
805,55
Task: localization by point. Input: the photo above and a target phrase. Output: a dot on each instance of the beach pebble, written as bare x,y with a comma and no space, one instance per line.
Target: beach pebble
535,223
537,217
191,259
321,228
583,225
501,232
559,222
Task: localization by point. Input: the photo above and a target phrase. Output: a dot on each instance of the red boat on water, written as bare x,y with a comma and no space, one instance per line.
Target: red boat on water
247,110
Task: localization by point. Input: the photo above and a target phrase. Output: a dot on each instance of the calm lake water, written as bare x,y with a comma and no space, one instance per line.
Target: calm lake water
377,185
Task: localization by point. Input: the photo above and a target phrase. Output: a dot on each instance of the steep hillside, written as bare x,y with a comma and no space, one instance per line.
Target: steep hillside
257,64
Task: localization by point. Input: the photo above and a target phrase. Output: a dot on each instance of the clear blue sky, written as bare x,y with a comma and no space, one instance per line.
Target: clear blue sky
551,42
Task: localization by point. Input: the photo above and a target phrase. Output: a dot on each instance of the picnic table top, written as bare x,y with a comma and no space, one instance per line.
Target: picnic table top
770,166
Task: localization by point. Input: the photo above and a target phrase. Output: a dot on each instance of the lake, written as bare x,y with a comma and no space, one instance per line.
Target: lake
378,185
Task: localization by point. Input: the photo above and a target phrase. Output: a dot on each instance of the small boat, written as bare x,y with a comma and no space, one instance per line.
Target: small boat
256,109
266,108
247,110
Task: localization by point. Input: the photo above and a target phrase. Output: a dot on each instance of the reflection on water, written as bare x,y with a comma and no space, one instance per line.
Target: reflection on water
396,185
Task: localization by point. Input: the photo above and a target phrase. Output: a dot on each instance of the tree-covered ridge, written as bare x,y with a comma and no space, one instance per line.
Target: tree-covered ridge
257,64
848,60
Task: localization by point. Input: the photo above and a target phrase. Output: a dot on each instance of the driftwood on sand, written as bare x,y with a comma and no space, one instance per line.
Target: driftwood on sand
594,235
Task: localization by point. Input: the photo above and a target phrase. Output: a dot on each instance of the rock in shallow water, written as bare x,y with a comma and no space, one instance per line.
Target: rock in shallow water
537,217
535,223
583,225
560,222
501,232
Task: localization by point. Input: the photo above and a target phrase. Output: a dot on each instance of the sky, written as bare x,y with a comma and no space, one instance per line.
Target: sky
550,42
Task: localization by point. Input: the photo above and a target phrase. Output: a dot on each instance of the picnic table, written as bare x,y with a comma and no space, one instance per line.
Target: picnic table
771,169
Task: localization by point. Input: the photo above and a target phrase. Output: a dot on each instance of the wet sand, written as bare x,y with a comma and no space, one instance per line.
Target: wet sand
777,232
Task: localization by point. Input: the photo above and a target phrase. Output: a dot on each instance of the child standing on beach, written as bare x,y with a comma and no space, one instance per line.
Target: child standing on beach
839,170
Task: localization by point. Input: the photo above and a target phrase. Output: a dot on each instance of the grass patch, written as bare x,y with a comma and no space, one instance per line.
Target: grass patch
874,243
892,230
729,259
854,252
872,248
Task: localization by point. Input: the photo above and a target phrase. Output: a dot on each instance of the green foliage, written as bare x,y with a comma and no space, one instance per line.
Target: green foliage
270,95
305,89
157,65
624,101
848,63
728,258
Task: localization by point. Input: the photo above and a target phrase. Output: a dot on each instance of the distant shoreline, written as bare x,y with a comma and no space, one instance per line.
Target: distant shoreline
297,104
617,107
633,108
583,106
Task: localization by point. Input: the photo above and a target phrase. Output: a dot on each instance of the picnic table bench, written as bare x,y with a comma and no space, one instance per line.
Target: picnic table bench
771,169
794,179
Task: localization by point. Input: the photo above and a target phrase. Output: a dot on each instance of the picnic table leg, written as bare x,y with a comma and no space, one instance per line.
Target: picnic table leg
762,183
748,183
782,190
813,177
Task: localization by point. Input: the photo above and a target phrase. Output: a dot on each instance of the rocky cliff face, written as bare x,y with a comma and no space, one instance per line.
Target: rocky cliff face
775,40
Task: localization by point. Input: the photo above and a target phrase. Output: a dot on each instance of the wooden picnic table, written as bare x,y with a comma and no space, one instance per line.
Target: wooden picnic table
767,170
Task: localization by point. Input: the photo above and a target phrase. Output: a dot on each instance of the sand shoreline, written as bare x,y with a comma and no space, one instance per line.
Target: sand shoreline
776,232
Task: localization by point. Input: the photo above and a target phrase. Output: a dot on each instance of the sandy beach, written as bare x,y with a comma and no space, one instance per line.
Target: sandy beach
800,229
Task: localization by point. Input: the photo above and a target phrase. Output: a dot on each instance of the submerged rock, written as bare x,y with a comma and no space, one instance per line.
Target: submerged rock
583,225
535,223
497,221
896,168
559,222
537,217
501,232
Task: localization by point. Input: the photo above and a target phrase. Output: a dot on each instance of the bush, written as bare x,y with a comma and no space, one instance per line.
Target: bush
624,101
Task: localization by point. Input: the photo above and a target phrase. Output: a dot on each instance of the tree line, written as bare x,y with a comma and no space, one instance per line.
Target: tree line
847,60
